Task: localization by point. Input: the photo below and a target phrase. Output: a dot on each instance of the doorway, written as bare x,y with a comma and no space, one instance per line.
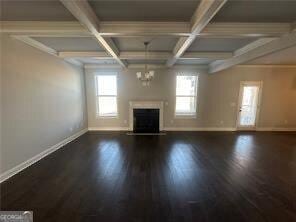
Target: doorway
249,105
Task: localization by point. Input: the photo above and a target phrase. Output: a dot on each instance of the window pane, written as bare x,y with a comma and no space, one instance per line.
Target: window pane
185,105
107,105
186,85
106,85
249,106
249,95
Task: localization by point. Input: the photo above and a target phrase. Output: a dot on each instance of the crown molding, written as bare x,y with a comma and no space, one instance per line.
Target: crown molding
266,66
132,29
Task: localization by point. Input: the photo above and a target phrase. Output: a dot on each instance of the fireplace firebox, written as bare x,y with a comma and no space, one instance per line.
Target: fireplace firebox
146,120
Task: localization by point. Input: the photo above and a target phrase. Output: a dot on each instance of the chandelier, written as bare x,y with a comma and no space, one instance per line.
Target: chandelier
146,76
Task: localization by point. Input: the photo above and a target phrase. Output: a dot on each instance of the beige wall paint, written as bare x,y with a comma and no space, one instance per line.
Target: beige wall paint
43,101
1,68
217,96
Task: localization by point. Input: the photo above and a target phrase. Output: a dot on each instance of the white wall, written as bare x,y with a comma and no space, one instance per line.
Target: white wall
43,101
216,94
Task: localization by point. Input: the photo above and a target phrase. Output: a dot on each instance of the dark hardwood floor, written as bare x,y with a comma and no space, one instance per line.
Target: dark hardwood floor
183,176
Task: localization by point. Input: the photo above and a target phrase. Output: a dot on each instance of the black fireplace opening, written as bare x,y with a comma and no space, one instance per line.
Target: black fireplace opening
146,120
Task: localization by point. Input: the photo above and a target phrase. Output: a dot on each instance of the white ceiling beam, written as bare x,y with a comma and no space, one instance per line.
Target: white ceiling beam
251,46
166,55
36,44
130,66
238,29
150,55
102,66
134,29
160,66
267,66
144,28
85,54
142,66
141,55
207,55
122,55
252,52
131,29
87,17
202,16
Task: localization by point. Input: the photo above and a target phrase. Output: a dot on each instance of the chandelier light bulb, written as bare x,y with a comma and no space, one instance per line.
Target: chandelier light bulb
139,75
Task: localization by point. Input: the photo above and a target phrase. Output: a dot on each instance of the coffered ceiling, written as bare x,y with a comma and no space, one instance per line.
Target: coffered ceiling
217,34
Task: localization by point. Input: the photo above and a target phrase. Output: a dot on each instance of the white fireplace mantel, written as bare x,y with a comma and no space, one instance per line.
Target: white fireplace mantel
145,105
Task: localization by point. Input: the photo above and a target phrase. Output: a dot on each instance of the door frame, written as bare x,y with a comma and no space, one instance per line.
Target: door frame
242,84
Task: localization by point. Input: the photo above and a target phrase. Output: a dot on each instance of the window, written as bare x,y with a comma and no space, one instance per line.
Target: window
106,95
186,90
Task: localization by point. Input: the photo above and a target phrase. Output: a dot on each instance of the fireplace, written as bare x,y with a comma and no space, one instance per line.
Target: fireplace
148,116
146,120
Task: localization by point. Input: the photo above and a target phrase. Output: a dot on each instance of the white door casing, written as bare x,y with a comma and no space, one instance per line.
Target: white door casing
253,109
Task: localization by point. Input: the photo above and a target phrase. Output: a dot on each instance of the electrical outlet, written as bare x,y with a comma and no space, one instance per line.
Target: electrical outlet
166,103
221,122
172,121
125,121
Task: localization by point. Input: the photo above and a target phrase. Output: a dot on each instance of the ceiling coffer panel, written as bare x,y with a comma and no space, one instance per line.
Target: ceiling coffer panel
144,10
219,44
137,43
28,10
71,44
257,11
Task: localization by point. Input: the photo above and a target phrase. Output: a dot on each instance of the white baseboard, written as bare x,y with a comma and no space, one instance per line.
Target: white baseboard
108,129
166,129
276,129
29,162
199,129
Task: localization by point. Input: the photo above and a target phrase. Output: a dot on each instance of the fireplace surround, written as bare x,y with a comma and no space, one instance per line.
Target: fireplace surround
151,105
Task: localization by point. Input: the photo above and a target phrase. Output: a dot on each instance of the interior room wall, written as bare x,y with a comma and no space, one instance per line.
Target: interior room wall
1,54
43,101
217,97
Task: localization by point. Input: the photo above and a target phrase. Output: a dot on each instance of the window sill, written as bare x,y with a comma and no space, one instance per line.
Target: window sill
185,116
107,117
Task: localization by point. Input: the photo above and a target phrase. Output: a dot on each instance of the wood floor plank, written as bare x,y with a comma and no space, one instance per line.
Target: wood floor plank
178,177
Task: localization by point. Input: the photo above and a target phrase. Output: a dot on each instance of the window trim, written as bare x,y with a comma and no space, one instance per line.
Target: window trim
97,96
187,115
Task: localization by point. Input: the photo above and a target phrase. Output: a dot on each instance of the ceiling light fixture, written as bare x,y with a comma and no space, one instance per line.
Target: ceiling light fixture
147,76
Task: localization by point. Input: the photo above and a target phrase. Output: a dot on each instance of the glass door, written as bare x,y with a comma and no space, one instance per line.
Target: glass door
248,105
